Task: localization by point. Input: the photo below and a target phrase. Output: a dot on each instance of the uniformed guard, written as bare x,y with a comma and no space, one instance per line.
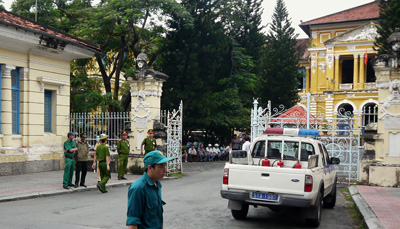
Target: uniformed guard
123,152
95,147
145,205
149,143
69,151
81,160
102,155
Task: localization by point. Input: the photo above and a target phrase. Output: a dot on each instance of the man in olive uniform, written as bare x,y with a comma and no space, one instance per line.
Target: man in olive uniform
123,152
81,160
102,155
149,143
70,149
145,204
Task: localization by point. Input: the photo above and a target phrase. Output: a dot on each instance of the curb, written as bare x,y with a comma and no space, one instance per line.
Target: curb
57,192
371,220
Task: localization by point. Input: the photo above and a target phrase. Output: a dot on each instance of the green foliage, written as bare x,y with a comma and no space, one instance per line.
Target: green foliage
209,69
1,4
281,68
388,20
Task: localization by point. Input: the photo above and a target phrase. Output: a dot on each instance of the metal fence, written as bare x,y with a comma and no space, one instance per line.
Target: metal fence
340,135
95,124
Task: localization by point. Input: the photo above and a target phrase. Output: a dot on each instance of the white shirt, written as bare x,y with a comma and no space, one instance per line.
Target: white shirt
192,151
246,146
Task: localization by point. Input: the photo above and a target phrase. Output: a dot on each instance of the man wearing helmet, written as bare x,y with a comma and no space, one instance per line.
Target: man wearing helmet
69,152
148,143
123,152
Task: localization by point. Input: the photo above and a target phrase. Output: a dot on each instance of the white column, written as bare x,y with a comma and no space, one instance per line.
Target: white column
6,104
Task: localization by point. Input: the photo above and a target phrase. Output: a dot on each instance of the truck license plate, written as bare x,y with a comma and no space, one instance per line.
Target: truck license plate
264,196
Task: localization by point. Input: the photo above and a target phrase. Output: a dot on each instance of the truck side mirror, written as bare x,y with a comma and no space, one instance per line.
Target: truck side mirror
335,161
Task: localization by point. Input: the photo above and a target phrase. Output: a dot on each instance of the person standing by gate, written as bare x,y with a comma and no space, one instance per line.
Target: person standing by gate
149,143
235,143
102,155
81,160
123,152
145,204
95,147
70,149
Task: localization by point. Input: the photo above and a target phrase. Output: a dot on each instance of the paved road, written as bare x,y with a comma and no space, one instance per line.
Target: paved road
192,202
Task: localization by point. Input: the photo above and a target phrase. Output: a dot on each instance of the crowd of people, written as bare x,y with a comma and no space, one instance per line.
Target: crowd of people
196,151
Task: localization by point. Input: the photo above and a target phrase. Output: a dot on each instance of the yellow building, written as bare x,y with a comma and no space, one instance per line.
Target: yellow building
336,62
35,93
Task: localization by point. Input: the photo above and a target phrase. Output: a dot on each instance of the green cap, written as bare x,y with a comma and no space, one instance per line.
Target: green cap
103,137
155,157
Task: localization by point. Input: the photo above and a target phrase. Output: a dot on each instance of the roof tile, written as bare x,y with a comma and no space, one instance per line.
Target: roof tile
16,20
363,12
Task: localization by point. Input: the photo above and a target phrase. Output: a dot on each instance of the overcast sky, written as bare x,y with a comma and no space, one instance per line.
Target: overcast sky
298,9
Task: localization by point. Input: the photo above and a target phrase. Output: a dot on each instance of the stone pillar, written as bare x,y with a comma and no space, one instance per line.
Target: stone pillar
329,106
337,71
146,106
6,105
355,73
362,72
307,79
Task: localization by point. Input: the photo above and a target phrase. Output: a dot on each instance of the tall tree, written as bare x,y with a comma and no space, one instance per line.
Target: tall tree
388,20
1,4
122,28
279,80
198,60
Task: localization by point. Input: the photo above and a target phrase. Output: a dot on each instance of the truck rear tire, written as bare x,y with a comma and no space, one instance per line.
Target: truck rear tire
241,214
330,199
316,212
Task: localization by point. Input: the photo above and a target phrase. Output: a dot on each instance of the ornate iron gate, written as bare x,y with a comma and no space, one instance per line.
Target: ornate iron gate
174,140
341,135
95,124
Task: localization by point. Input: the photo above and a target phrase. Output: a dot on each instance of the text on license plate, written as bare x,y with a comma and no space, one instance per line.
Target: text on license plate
264,196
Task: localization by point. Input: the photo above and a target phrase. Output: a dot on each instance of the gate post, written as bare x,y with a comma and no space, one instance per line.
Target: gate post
254,120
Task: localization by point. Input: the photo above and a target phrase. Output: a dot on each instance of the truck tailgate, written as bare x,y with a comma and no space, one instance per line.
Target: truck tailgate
266,179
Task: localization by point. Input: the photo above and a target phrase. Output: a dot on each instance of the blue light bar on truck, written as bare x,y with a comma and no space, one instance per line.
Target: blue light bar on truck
291,132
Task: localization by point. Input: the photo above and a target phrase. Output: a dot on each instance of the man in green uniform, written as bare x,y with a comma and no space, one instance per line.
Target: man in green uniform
81,160
145,205
149,143
69,150
102,155
123,152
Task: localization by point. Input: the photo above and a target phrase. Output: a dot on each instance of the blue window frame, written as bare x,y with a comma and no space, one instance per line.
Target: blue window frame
48,95
15,90
0,98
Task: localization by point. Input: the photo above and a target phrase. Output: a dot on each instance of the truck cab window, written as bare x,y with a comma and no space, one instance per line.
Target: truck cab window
274,149
328,159
290,150
259,149
306,150
321,150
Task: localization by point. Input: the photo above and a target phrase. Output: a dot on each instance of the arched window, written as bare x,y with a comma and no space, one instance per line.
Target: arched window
345,110
343,125
369,113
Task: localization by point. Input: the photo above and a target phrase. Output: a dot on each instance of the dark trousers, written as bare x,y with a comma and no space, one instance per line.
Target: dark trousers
80,166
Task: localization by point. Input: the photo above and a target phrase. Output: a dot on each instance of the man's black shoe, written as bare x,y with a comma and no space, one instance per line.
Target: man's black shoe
84,185
119,178
71,185
100,188
76,186
123,178
66,187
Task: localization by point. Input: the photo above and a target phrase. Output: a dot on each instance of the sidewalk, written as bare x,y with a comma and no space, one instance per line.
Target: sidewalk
25,186
380,206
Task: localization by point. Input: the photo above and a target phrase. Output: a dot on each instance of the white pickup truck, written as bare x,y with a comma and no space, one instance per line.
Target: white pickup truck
270,174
